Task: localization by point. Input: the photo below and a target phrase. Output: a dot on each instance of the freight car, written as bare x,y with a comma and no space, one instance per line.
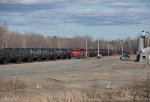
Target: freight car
45,54
12,55
26,55
66,54
18,55
63,53
59,53
36,54
52,54
8,55
92,53
4,56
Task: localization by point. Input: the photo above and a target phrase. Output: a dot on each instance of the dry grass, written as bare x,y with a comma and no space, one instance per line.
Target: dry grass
135,92
16,85
140,89
68,96
12,86
78,95
63,96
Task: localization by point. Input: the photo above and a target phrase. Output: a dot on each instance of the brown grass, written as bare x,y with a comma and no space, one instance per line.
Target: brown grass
16,85
68,96
12,86
135,92
63,96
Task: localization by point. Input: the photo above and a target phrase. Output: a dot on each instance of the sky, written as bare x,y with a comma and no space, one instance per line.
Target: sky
110,19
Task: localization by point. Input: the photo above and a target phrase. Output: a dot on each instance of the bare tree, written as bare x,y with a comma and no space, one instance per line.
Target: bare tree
34,40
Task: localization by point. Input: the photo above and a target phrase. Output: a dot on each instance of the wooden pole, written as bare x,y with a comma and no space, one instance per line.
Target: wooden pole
98,47
86,46
148,39
122,46
108,47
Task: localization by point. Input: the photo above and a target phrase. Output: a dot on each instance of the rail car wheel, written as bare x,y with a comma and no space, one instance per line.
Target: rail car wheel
19,60
67,57
39,59
54,58
47,58
6,61
30,60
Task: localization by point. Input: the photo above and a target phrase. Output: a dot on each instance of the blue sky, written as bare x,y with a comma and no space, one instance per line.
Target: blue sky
110,19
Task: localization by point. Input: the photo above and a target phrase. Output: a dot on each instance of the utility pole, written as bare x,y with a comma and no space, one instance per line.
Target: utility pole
3,44
122,46
86,47
108,47
98,48
98,55
148,39
4,34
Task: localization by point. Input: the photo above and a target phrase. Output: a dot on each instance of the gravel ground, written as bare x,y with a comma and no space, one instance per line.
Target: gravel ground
108,72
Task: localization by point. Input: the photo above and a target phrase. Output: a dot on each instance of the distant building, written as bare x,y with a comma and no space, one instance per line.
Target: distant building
143,54
141,41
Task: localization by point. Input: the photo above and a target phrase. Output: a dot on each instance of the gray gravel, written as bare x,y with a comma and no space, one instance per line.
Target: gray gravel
76,73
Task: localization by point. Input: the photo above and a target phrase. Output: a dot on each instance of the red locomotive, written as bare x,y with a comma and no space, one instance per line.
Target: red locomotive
78,53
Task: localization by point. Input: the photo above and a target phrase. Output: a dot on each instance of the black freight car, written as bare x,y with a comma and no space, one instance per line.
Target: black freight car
36,54
66,53
52,53
45,54
5,55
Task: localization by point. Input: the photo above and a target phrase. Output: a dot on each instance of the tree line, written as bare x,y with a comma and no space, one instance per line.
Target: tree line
10,39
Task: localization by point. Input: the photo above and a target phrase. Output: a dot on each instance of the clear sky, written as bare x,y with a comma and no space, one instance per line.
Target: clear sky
110,19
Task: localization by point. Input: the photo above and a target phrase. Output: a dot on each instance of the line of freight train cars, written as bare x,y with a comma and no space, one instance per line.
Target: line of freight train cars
11,55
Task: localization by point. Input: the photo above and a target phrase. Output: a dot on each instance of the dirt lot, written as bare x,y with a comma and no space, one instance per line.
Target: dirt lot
108,73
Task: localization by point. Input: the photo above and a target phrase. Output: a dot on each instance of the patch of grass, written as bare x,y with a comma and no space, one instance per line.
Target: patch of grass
9,86
136,92
16,85
140,90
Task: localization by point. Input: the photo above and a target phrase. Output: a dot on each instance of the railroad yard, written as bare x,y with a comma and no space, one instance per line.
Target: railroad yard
108,73
74,51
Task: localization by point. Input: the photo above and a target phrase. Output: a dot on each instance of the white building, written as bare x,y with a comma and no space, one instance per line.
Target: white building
145,55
